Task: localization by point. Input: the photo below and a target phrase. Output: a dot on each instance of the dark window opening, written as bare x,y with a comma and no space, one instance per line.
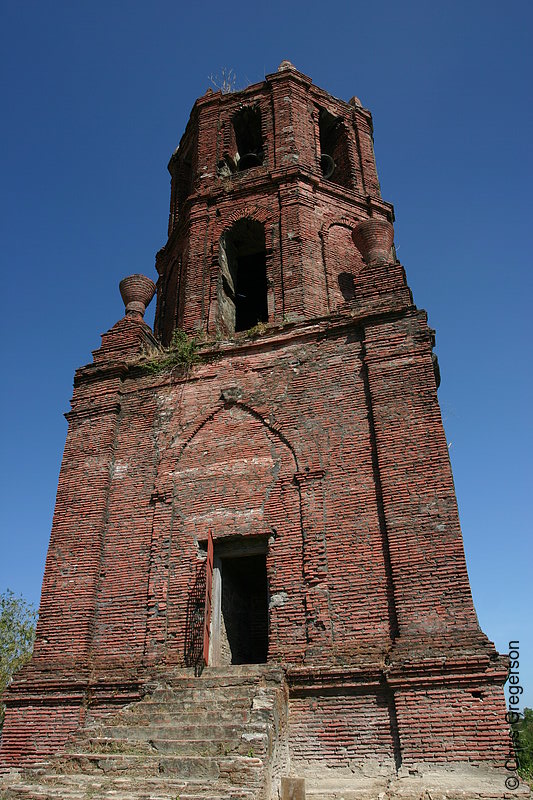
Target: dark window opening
346,285
248,138
334,156
242,295
245,608
184,178
250,294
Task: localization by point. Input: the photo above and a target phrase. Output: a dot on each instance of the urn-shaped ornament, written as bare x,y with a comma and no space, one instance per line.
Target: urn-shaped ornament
373,238
136,291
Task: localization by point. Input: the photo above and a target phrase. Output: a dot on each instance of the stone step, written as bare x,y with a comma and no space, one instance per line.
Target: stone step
172,716
176,730
248,745
93,785
201,693
176,702
207,694
165,716
136,793
349,794
238,770
226,715
232,673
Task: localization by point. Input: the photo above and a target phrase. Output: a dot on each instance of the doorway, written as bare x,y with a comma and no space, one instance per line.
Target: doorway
242,286
239,627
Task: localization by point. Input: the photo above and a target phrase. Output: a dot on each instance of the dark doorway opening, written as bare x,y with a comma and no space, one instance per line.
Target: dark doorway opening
243,285
244,606
248,137
251,295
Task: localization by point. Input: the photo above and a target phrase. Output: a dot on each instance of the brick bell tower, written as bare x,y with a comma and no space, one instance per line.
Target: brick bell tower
302,441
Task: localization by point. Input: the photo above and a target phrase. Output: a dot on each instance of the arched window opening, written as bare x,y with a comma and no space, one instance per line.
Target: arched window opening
334,157
242,288
184,178
180,167
248,138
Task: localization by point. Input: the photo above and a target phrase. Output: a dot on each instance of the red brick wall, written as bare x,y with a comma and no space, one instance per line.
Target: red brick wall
70,584
340,731
453,724
303,406
37,732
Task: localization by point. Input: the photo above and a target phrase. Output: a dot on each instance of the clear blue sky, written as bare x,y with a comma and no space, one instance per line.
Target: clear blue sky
95,98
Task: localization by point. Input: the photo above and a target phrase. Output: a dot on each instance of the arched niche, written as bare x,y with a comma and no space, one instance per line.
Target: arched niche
235,478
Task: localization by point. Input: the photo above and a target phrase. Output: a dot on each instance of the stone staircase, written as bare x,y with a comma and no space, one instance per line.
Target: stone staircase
221,736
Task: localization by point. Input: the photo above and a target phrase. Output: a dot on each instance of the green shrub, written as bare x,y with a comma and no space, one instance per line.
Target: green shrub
182,352
17,632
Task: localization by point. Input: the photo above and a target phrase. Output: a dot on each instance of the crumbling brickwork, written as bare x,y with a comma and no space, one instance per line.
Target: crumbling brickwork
314,441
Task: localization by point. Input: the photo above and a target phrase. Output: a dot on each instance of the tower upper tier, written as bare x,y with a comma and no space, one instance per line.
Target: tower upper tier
268,186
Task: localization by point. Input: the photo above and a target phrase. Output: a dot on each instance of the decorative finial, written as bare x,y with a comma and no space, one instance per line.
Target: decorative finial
285,65
354,101
137,292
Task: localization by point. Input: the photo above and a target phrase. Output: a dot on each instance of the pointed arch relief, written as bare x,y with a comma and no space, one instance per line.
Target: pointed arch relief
231,476
234,476
255,213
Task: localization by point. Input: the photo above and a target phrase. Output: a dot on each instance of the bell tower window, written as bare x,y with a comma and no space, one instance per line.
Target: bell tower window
334,156
248,138
242,287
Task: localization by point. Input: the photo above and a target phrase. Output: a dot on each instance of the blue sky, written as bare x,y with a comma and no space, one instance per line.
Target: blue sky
95,99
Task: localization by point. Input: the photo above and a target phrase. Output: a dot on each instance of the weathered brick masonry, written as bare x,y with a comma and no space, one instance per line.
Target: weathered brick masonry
314,443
